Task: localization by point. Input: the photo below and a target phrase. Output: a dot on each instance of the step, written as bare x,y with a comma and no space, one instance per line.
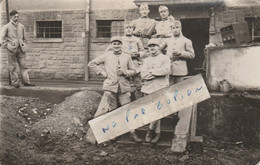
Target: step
165,141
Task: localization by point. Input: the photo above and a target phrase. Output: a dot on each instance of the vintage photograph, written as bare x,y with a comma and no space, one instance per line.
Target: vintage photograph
130,82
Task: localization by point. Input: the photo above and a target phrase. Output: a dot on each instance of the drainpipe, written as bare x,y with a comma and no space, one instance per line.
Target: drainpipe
87,40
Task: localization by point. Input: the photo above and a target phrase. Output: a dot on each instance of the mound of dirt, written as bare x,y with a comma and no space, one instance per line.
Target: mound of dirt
17,116
69,119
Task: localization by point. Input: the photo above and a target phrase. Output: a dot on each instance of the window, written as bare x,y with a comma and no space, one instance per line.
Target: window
110,28
254,28
48,29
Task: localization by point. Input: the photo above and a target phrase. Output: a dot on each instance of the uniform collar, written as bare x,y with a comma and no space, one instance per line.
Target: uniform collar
14,23
154,55
118,53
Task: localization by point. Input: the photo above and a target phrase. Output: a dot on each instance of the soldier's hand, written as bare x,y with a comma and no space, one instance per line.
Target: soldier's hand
104,74
135,54
176,53
120,72
137,33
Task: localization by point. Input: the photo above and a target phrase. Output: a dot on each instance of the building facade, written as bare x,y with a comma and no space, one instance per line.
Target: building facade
65,35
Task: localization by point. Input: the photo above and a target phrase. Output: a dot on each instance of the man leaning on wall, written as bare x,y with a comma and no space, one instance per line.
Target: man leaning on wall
13,38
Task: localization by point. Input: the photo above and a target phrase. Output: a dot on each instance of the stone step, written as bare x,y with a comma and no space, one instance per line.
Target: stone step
167,133
165,140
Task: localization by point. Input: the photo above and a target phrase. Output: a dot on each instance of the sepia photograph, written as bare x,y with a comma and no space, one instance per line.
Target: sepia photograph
130,82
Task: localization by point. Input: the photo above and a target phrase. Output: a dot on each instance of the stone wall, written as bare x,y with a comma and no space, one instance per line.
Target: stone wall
53,60
225,16
98,46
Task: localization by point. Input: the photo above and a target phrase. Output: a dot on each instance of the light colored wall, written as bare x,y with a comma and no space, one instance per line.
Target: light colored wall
239,65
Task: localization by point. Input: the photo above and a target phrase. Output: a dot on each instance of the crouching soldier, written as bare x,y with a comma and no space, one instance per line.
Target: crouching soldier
118,67
155,72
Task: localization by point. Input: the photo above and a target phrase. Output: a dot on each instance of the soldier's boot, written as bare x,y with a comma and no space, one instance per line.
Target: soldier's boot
135,137
156,138
148,136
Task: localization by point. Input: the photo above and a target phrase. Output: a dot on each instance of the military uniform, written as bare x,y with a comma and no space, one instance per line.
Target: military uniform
184,45
144,28
115,86
179,70
163,28
130,46
155,72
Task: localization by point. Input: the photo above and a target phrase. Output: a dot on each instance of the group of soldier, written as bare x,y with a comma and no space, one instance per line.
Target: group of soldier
153,55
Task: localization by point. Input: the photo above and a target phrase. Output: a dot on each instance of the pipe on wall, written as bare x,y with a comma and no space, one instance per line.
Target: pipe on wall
87,40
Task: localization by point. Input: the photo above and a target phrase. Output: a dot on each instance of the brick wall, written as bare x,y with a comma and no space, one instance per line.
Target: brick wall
53,60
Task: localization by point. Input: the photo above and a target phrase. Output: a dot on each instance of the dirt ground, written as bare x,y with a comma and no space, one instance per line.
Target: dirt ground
36,132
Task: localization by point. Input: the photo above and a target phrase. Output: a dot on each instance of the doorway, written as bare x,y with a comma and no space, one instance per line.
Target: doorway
197,30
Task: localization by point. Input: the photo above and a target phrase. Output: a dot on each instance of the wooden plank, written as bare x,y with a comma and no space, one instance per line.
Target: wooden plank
193,121
149,108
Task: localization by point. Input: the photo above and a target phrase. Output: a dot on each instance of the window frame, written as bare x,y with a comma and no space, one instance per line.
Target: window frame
97,39
47,39
252,32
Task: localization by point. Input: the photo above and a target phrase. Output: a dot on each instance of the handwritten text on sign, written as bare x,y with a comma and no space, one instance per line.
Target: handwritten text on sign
149,108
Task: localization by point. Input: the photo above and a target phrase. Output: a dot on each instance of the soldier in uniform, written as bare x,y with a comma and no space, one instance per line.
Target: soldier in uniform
133,46
155,71
144,26
179,48
163,27
118,67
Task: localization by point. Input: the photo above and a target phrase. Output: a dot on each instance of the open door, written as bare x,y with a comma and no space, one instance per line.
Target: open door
197,30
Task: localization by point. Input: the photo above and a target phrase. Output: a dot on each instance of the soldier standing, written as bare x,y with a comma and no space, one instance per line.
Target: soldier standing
144,26
179,48
118,68
163,27
155,71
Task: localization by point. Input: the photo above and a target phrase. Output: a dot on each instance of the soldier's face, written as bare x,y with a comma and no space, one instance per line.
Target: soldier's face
144,12
15,18
128,30
116,46
176,30
153,49
164,13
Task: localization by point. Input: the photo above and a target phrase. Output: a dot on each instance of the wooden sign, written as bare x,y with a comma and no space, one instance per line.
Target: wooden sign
149,108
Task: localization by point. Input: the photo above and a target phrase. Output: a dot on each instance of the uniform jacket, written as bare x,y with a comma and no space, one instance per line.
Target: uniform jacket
129,45
179,64
155,72
13,36
144,28
111,63
164,28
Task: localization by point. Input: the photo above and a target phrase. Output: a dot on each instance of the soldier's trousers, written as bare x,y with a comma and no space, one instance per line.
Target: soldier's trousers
155,125
109,102
13,59
182,128
138,85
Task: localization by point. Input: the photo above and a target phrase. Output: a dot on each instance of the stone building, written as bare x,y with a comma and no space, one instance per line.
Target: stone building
56,32
65,35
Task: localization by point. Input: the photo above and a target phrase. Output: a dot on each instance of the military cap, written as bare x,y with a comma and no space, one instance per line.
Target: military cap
153,41
116,38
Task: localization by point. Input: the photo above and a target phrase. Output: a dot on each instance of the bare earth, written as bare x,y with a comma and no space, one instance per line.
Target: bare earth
37,132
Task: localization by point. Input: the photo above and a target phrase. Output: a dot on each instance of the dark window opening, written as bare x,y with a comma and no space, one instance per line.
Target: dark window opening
110,28
49,29
254,28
